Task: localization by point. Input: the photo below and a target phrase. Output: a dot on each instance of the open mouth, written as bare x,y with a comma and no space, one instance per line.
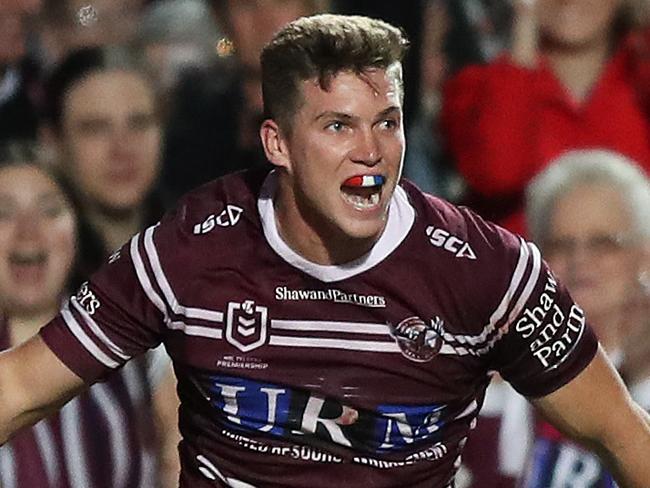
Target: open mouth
27,265
363,192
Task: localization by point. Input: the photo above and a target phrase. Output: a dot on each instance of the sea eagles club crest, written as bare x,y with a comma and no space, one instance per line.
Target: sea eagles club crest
246,325
419,341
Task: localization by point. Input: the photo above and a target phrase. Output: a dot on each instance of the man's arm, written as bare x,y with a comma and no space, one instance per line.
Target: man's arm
596,409
33,384
165,405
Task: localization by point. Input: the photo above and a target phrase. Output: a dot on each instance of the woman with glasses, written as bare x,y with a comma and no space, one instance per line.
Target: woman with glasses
590,213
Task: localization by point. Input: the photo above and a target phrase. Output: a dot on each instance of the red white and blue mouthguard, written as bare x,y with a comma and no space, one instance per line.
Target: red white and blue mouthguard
365,181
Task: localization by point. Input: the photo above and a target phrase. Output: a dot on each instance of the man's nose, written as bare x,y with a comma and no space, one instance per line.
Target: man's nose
28,225
366,150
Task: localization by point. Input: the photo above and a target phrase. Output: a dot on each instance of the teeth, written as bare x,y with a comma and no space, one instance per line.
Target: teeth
362,202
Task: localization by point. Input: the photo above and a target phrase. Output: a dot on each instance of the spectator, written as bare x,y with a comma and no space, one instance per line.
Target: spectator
106,437
68,25
567,83
178,38
18,74
104,122
215,119
590,212
424,163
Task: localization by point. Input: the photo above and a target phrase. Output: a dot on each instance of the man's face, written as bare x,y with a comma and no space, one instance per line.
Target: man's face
352,129
112,139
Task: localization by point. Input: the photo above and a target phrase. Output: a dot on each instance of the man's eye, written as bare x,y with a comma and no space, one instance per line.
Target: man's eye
389,124
93,127
336,126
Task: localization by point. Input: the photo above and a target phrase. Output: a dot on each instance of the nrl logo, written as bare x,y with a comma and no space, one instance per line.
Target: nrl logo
419,341
246,325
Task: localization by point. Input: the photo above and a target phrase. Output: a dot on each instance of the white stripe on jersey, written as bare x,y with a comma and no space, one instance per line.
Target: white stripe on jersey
117,435
46,446
196,330
327,326
527,252
521,302
7,467
348,344
163,283
145,283
75,454
86,341
210,471
472,408
98,331
503,306
530,285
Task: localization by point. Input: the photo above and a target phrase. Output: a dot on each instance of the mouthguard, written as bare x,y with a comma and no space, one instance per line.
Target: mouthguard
364,181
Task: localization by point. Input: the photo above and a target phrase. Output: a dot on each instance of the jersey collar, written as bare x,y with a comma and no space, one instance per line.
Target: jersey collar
401,217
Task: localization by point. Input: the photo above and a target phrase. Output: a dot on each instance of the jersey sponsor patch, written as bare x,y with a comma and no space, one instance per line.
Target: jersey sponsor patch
283,293
552,333
442,238
289,413
227,218
87,299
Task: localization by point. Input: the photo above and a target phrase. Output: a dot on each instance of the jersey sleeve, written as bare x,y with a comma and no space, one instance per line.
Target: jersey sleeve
123,309
536,336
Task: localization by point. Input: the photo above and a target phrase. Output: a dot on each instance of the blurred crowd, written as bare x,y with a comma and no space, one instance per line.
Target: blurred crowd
535,113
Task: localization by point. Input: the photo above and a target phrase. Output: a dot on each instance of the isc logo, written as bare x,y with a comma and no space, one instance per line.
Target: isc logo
227,218
442,238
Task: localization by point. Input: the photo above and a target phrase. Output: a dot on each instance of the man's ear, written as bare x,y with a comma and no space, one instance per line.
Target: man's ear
275,144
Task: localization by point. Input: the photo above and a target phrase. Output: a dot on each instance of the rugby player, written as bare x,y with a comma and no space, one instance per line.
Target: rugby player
330,324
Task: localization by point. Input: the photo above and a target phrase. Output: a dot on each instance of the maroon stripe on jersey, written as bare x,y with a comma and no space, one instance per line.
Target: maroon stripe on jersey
160,291
104,438
524,280
145,274
91,337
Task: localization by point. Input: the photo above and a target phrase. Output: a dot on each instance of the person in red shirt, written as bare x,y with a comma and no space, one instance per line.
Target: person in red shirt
572,80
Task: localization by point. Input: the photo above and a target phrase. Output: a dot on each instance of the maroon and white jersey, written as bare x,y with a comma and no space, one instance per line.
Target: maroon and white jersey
104,438
296,374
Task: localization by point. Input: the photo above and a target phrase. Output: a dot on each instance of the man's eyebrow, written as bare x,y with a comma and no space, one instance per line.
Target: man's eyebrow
330,114
388,111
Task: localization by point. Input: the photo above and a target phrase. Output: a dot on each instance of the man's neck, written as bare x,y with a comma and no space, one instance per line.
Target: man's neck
579,69
116,229
319,243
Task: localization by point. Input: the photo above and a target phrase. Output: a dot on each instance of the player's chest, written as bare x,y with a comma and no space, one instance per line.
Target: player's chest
355,335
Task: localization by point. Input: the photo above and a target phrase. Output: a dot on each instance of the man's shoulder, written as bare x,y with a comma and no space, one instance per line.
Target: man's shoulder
454,227
206,222
472,260
220,203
